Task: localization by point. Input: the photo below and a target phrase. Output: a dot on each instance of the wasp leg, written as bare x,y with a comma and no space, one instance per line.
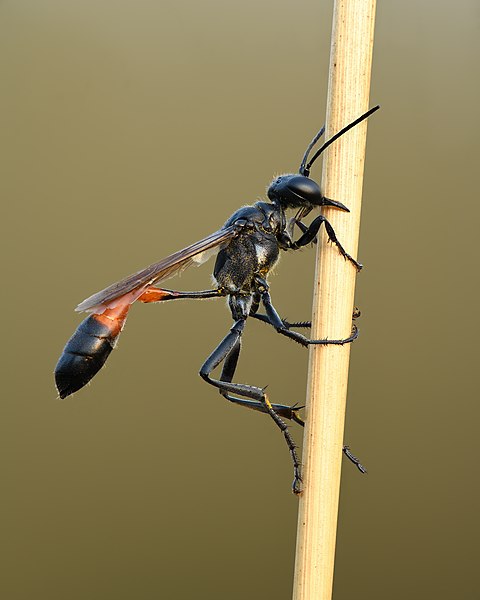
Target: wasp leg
229,351
287,324
311,232
274,319
297,325
220,354
286,412
300,324
352,458
228,371
282,326
304,228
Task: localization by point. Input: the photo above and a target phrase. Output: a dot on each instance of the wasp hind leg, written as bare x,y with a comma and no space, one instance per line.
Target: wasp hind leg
228,371
228,350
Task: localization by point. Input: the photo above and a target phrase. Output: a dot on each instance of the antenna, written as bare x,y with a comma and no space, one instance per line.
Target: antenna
305,169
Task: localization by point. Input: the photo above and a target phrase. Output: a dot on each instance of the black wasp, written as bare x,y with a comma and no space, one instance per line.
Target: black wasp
248,246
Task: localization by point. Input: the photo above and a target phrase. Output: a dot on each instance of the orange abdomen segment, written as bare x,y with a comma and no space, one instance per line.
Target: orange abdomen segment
113,319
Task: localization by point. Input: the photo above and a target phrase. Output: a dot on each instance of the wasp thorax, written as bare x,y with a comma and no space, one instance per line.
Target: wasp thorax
295,191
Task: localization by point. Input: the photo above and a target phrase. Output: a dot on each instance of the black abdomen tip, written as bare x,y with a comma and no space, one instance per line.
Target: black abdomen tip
83,356
73,371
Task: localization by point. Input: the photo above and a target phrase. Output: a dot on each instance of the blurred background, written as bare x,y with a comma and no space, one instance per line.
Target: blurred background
131,129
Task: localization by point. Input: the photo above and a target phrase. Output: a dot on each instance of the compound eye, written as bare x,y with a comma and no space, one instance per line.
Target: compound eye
275,189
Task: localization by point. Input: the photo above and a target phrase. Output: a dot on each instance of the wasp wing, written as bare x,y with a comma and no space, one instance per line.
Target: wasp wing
159,271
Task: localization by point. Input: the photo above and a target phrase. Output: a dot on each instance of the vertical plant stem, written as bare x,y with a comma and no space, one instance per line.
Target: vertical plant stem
348,98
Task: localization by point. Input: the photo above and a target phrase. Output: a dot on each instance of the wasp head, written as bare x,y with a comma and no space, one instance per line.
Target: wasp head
298,191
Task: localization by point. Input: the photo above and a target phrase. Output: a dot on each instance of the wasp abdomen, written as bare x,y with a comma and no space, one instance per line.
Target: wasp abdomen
87,350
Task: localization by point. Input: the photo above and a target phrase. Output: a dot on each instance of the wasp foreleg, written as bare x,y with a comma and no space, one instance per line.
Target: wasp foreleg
311,233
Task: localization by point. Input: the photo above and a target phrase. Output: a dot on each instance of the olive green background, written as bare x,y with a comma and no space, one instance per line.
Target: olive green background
131,129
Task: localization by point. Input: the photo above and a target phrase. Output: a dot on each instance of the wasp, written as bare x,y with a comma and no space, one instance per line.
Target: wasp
247,246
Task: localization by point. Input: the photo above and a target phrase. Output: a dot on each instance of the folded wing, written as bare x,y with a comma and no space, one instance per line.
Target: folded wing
135,284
